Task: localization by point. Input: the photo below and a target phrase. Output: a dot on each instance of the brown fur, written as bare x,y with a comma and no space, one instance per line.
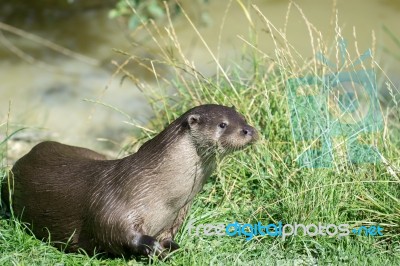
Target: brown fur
133,205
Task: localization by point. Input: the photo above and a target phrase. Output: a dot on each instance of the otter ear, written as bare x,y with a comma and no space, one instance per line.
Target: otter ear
193,119
233,107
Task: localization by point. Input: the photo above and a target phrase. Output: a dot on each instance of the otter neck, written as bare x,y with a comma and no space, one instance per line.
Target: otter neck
174,155
175,136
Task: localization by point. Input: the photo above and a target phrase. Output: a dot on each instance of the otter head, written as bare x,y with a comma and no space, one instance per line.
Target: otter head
218,128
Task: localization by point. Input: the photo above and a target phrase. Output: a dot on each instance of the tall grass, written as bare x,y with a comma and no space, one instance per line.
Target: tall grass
264,182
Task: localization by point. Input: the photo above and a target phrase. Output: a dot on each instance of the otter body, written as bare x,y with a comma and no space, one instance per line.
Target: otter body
129,206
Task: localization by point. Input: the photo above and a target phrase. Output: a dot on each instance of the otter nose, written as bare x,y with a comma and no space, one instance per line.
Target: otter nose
249,131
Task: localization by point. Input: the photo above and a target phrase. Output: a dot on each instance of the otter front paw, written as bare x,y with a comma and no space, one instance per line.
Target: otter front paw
169,244
147,245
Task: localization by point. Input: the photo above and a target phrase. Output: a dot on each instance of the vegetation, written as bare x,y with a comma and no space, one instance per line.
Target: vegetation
262,183
144,11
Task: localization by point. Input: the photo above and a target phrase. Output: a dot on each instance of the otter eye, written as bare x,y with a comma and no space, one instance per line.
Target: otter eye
222,125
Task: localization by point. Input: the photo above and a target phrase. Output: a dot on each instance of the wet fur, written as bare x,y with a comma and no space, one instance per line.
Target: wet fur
133,205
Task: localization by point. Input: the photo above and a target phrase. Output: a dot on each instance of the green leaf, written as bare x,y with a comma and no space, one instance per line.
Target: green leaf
155,10
113,14
134,21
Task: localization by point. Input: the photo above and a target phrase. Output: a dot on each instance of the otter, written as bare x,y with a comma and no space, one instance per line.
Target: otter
130,206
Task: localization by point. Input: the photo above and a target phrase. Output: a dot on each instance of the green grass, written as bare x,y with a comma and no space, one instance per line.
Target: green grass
261,183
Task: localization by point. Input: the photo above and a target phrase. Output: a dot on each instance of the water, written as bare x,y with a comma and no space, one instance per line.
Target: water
49,97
